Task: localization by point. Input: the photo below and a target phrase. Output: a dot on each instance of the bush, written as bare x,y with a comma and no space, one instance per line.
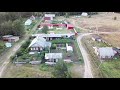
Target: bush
12,58
26,44
19,53
61,70
45,29
53,46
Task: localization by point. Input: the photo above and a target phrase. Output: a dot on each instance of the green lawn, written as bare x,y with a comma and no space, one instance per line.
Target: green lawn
111,69
59,31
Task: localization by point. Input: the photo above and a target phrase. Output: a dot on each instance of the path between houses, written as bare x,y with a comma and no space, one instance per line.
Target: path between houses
5,59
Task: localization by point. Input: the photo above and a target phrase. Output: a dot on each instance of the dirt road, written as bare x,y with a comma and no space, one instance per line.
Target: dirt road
88,72
5,59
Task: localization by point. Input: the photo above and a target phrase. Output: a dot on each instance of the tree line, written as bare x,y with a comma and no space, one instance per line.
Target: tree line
11,22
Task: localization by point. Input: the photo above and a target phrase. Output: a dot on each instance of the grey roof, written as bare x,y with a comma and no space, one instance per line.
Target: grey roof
7,36
53,55
53,35
106,51
40,42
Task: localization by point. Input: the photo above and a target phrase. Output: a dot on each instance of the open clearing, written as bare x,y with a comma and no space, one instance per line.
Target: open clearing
26,71
103,21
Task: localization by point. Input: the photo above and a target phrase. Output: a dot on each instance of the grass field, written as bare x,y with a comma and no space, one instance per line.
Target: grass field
26,71
113,39
111,69
103,21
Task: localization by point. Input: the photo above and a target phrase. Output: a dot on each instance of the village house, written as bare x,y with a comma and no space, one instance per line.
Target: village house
105,53
32,18
49,37
38,44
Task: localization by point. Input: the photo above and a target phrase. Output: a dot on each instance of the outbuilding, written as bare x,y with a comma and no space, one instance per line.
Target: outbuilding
6,37
96,38
53,57
13,39
84,14
28,22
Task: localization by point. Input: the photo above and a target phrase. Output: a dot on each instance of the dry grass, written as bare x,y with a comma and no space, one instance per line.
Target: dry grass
113,39
77,70
24,71
104,20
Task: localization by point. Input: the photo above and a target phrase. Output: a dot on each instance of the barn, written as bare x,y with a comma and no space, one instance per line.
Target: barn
70,26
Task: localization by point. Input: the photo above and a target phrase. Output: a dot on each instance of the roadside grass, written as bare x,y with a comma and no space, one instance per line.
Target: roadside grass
78,52
2,46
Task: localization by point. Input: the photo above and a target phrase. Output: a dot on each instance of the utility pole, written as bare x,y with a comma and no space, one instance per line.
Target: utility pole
97,30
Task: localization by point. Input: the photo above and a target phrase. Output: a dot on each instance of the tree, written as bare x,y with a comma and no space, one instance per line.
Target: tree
61,70
45,29
18,28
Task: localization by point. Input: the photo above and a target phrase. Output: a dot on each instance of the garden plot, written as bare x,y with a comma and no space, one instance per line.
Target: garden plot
59,31
61,48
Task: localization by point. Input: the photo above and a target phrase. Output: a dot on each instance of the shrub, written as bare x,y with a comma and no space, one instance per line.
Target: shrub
61,70
115,18
53,46
12,58
45,29
19,53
